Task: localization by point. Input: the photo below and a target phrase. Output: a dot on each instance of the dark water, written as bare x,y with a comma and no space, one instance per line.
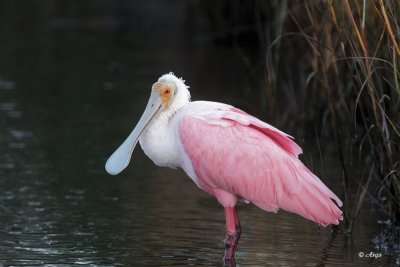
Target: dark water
74,78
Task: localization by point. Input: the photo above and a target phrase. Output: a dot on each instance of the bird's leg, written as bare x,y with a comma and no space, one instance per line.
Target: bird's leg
232,233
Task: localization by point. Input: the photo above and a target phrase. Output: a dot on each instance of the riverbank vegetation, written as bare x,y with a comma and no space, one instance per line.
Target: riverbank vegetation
347,56
332,66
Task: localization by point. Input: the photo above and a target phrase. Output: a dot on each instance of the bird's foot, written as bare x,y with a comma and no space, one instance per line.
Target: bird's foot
229,263
231,241
232,235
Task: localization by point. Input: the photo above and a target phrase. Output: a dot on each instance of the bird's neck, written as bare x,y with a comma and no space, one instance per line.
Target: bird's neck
178,103
159,140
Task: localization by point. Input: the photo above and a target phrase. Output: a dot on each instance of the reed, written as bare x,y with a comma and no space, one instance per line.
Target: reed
348,69
333,67
330,66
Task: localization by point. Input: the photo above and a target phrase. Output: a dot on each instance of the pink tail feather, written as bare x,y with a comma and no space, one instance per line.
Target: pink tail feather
312,200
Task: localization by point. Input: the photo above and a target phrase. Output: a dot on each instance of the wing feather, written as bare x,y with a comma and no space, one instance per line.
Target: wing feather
241,155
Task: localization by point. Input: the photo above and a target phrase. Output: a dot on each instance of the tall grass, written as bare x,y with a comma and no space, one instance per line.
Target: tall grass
346,56
333,66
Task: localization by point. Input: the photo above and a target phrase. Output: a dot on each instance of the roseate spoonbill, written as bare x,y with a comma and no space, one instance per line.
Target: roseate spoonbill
229,154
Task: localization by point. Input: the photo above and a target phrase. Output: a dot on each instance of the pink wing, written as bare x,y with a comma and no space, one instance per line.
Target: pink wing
236,155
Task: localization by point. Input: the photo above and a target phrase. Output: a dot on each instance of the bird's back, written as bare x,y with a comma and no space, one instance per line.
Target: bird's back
235,155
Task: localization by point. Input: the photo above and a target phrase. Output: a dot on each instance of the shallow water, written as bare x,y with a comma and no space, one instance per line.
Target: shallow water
74,79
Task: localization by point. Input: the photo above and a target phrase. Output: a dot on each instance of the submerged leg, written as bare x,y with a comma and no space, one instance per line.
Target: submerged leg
232,233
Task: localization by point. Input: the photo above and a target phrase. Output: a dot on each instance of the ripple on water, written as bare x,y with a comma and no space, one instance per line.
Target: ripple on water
8,106
7,85
19,134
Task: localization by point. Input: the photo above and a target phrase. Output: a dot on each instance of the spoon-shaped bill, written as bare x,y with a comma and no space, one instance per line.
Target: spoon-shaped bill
121,157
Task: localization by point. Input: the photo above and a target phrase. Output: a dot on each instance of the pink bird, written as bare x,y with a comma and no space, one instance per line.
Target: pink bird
229,154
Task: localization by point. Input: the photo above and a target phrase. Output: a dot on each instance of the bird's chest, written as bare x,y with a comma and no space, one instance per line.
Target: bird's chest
159,144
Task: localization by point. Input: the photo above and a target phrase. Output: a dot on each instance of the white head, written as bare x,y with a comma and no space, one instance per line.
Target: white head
172,91
168,95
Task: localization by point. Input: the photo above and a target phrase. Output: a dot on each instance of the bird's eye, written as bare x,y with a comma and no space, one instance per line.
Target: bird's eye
167,91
